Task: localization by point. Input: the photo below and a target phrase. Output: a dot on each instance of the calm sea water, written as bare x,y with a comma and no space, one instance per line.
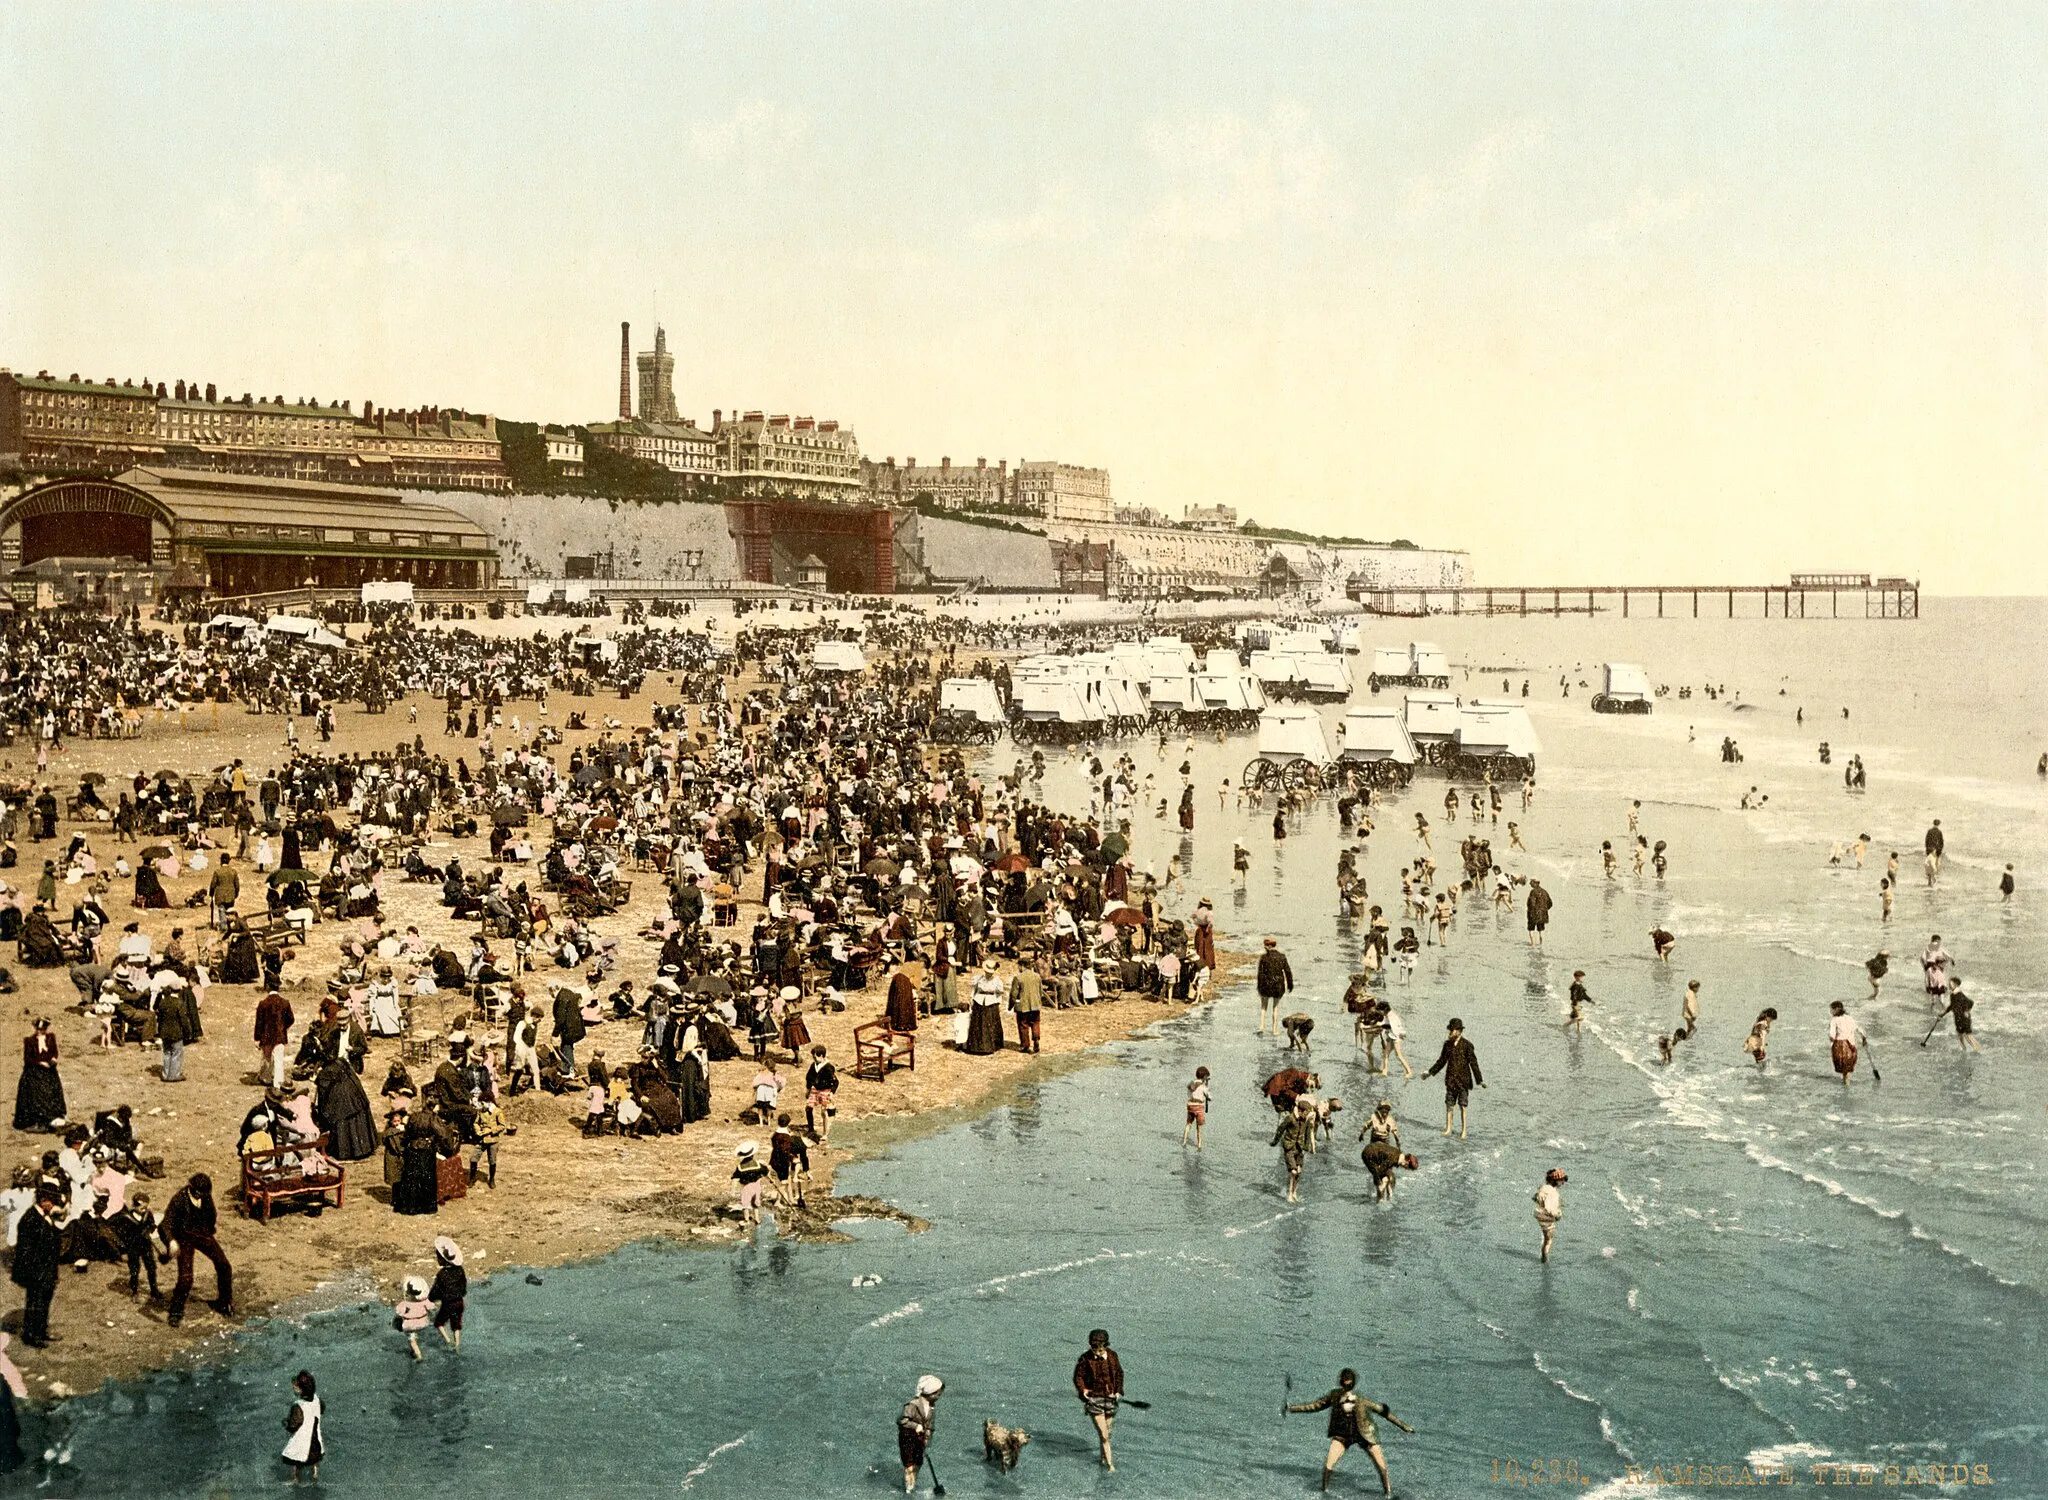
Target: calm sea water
1752,1267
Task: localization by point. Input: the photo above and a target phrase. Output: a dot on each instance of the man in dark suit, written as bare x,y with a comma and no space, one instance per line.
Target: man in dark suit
568,1029
38,1256
1459,1064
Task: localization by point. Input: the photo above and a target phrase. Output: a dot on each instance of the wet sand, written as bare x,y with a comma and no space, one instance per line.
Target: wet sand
559,1197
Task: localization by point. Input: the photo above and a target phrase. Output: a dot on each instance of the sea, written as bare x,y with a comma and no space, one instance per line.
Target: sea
1760,1274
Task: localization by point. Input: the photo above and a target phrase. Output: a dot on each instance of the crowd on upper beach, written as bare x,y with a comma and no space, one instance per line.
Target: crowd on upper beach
870,862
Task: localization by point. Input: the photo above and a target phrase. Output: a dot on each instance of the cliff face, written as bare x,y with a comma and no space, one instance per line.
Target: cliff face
535,533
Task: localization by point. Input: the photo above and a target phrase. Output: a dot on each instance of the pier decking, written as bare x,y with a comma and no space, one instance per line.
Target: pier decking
1817,596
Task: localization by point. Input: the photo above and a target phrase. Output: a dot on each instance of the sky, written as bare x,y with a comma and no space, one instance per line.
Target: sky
1601,293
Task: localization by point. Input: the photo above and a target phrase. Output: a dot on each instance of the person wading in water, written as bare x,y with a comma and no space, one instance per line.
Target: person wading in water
1459,1064
1351,1425
1099,1382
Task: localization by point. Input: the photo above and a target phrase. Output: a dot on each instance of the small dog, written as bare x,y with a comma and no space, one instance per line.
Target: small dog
1003,1445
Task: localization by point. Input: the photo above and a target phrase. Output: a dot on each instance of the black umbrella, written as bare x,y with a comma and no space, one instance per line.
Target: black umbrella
285,877
709,984
92,778
156,852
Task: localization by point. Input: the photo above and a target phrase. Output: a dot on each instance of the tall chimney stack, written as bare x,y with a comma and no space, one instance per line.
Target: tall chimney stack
625,372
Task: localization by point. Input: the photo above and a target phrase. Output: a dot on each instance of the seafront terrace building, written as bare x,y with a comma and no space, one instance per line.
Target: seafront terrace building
1064,492
788,457
680,447
72,426
949,486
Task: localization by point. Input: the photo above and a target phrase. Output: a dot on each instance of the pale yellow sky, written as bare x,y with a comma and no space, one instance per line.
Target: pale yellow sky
1600,293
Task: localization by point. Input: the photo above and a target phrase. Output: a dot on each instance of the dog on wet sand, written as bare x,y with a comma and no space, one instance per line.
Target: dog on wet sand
1003,1445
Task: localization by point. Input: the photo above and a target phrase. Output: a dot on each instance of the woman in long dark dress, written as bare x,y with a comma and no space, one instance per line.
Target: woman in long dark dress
419,1179
694,1096
149,888
985,1015
241,963
292,859
902,1010
40,947
39,1098
656,1097
719,1045
342,1110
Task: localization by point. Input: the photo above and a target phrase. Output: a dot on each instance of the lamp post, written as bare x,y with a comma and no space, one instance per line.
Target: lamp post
693,558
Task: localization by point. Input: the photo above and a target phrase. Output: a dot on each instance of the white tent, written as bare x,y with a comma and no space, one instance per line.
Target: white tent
296,625
326,640
838,656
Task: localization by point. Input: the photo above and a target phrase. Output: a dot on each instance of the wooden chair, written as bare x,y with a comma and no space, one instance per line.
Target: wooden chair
877,1049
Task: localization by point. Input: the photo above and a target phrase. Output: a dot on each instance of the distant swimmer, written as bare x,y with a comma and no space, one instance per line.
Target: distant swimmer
1877,967
2005,885
1935,846
1351,1425
1689,1011
1607,859
1515,838
1662,942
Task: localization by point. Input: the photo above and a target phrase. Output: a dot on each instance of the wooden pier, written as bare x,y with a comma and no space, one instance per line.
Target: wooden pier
1809,596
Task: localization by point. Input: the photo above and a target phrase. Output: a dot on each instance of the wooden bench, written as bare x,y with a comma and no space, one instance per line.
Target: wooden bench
273,931
268,1176
877,1049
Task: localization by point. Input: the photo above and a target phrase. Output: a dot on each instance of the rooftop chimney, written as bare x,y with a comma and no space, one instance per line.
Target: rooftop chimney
209,390
625,372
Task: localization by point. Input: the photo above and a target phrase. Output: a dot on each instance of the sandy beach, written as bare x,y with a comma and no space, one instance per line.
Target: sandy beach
559,1197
